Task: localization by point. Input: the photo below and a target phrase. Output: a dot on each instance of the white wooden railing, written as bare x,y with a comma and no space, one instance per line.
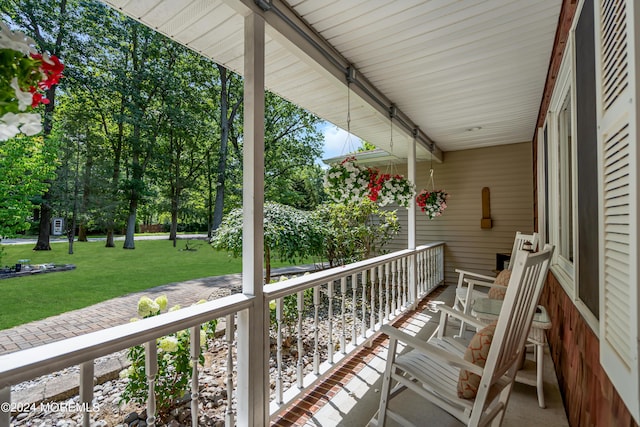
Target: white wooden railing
350,303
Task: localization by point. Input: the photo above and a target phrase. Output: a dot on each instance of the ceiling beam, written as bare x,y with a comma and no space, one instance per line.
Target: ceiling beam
287,27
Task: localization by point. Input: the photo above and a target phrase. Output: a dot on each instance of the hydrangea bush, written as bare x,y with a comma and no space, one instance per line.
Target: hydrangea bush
432,203
174,360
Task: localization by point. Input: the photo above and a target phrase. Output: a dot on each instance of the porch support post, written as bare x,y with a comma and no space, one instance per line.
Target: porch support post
411,224
253,381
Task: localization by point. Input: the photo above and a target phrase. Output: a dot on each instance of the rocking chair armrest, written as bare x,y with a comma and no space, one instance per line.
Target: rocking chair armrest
473,283
430,349
476,275
449,311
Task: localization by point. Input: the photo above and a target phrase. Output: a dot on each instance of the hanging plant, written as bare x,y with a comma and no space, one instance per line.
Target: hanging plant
395,189
24,76
347,182
433,202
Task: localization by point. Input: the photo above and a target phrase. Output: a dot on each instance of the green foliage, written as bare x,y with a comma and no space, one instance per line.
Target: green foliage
138,118
366,146
290,234
25,165
356,231
174,361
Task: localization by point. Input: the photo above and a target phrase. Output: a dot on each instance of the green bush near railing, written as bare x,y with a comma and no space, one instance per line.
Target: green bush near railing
174,361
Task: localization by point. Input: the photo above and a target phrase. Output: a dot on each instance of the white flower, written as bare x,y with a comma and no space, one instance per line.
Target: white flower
15,40
32,124
24,98
8,131
11,124
169,344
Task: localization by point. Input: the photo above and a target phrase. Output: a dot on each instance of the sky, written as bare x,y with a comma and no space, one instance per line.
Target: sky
336,142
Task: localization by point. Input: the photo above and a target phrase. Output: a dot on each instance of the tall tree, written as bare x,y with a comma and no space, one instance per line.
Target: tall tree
230,101
292,146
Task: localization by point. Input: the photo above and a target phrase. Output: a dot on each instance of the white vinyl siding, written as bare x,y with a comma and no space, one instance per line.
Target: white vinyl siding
507,171
616,57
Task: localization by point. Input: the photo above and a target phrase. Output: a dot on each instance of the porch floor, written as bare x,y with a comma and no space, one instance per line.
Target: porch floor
349,394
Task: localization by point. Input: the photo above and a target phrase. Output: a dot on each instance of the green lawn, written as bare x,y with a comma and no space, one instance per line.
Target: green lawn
102,273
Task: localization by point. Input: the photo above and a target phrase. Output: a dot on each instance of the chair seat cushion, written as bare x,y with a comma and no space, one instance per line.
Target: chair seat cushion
503,280
476,353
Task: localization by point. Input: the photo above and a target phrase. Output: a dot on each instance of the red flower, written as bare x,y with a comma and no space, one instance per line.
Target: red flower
51,68
38,98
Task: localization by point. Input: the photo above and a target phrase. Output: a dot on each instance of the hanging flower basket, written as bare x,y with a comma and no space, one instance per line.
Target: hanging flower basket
395,189
348,182
433,202
24,76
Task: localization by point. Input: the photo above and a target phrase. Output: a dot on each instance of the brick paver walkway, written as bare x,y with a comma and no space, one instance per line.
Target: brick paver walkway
119,310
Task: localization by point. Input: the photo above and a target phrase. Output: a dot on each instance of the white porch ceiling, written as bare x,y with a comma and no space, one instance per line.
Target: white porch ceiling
447,65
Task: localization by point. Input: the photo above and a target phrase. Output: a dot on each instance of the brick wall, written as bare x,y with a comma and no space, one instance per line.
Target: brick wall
589,396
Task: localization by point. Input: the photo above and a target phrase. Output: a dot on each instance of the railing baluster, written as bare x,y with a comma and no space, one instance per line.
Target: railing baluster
427,271
229,334
86,391
423,275
354,312
372,315
380,294
279,379
405,282
432,265
151,369
316,339
195,355
418,274
394,289
330,314
299,364
363,279
387,304
343,331
5,402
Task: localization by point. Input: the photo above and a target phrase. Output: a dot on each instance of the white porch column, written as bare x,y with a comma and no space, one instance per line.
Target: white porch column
411,224
253,380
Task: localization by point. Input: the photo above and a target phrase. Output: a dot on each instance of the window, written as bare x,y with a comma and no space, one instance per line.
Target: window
559,172
565,183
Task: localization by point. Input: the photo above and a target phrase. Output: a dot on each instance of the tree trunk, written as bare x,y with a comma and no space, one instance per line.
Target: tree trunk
222,154
173,233
82,233
209,197
44,230
131,226
110,242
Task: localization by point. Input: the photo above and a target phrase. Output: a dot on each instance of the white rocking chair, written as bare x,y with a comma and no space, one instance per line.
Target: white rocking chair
431,369
466,291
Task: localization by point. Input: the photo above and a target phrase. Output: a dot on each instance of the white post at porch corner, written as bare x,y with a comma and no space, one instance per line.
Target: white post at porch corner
253,381
411,225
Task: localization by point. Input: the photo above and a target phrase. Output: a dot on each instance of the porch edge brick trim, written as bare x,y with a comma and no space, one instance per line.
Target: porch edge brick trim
303,408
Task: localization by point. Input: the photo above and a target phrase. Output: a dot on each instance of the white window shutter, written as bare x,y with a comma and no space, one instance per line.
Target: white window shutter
616,25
